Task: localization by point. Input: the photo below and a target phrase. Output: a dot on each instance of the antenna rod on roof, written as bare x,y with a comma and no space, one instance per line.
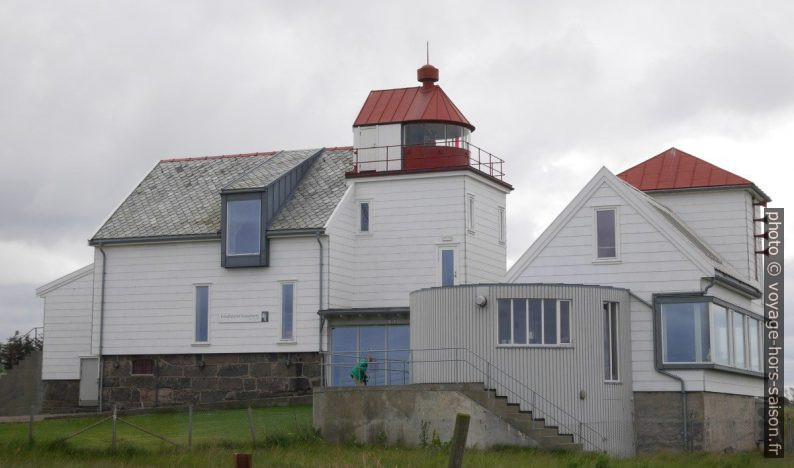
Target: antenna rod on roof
428,52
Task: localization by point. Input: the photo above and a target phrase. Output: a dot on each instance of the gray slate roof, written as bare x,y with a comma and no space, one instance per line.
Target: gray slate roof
317,195
264,174
181,197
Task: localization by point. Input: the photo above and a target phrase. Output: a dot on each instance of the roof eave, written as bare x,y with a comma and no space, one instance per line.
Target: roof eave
754,189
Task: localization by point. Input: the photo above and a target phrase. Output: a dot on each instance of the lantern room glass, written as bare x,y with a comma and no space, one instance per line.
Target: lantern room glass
436,134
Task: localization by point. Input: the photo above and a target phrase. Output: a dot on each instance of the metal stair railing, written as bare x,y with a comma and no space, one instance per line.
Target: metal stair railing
461,365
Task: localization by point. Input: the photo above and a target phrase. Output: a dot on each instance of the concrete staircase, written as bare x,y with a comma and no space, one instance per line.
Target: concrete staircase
546,435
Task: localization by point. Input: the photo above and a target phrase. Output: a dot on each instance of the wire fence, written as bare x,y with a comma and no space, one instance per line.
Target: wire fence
186,428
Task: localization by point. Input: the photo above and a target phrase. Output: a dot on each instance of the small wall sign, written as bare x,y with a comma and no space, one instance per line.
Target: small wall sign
242,317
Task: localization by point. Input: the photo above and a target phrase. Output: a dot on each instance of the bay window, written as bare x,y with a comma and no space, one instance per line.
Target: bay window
706,332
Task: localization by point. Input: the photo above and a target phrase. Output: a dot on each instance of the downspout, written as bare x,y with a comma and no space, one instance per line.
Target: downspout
658,369
320,302
712,283
101,382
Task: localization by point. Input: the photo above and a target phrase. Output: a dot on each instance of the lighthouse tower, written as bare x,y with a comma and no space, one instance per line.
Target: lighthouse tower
427,205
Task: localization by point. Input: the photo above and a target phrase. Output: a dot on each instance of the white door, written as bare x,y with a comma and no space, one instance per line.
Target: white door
368,156
89,381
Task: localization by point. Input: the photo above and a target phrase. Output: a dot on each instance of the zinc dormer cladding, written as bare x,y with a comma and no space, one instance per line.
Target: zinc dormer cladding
180,199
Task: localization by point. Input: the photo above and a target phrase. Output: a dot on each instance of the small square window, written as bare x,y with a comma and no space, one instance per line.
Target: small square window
142,367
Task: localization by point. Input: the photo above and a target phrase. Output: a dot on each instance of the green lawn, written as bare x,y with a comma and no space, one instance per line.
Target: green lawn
284,438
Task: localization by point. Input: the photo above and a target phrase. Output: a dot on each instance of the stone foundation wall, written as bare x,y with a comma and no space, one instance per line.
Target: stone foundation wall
716,422
207,379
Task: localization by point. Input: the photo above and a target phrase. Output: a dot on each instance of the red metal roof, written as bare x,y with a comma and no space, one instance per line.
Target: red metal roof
675,169
422,103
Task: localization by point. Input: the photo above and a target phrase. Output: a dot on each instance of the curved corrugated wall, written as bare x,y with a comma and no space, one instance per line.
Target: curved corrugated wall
453,339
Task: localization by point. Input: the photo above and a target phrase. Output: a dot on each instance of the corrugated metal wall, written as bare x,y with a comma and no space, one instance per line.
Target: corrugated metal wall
551,379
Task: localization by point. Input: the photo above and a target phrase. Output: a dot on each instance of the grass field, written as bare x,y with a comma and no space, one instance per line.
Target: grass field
284,438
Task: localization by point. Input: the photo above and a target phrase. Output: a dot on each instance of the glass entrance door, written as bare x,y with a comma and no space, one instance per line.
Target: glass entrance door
388,345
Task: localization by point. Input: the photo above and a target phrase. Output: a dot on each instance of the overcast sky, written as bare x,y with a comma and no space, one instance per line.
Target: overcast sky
93,94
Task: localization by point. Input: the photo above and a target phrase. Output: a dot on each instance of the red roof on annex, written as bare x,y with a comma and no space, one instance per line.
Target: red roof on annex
675,169
422,103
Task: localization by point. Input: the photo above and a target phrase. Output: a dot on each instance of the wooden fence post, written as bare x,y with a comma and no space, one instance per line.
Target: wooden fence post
243,460
30,425
113,440
251,426
459,436
190,427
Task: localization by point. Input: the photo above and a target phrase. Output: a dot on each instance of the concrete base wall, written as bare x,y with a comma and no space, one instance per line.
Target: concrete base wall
19,387
716,422
411,415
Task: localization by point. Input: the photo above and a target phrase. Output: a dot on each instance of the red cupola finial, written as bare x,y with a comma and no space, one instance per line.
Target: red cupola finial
427,75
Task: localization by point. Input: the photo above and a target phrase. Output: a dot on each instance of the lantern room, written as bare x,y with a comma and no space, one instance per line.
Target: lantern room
416,129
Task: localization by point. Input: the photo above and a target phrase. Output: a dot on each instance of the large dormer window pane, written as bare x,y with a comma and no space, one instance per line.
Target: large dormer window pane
243,225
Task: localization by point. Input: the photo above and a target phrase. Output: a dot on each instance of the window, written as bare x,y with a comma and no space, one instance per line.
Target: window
606,234
685,332
753,344
202,314
363,216
502,224
389,344
287,311
243,224
533,321
470,212
611,342
706,332
142,367
243,240
738,339
447,267
721,335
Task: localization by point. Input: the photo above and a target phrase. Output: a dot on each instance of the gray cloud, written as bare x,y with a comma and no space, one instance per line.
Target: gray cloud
94,93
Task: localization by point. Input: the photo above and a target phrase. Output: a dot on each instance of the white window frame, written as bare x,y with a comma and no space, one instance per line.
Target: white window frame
470,216
614,367
358,217
542,343
281,284
501,221
195,286
616,258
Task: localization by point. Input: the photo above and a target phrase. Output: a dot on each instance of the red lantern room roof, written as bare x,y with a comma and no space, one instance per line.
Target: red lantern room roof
426,103
675,169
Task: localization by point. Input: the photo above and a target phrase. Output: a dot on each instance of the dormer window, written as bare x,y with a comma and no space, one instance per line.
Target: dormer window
243,225
243,230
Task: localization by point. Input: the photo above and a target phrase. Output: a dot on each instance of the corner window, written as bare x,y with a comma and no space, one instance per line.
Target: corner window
287,311
502,224
611,342
202,305
364,216
706,332
470,212
533,321
142,367
685,332
606,233
243,238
